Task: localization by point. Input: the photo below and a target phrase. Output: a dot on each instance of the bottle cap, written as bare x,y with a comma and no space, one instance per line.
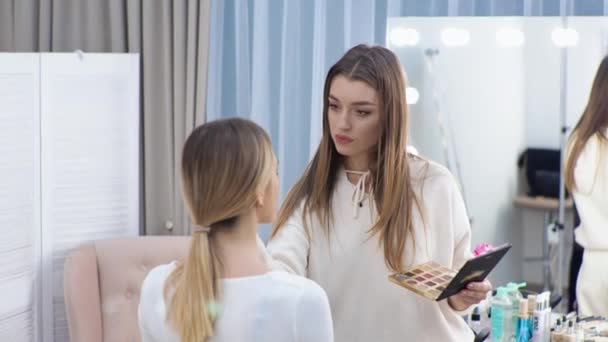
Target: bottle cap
532,303
475,316
523,308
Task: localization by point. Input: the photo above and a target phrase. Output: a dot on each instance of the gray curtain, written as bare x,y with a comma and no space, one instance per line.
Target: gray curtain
172,37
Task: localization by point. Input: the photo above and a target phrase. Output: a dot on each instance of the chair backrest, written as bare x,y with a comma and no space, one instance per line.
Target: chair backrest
102,281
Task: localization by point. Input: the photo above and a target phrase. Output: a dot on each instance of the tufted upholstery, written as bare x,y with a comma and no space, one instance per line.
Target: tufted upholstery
102,282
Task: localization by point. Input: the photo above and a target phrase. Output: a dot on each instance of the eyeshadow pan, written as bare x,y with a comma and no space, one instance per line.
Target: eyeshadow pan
420,279
412,282
428,276
430,283
417,271
400,277
440,288
409,274
436,273
434,293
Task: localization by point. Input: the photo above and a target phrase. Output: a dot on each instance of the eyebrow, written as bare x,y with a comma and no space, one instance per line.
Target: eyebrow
357,103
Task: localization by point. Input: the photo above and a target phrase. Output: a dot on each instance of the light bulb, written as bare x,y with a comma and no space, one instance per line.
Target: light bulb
411,95
564,37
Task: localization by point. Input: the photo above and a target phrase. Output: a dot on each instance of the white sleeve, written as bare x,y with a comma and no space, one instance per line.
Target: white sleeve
313,316
142,309
289,248
146,336
462,237
461,227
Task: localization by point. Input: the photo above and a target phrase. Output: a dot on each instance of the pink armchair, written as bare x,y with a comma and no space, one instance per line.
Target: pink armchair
102,281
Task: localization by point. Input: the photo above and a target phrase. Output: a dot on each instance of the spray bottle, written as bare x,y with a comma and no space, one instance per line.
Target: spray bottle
502,310
522,333
514,296
531,308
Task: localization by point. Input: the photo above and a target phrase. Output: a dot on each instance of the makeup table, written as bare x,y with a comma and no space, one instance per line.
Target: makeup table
550,207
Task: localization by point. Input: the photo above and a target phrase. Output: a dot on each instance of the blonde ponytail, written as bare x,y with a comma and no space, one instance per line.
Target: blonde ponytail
194,291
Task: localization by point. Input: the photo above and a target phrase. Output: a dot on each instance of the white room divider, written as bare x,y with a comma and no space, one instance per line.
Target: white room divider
69,173
19,195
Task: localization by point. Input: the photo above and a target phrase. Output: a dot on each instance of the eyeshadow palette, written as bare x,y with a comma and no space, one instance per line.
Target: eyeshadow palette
436,282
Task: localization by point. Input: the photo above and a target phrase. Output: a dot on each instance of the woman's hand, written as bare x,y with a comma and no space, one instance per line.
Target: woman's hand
471,295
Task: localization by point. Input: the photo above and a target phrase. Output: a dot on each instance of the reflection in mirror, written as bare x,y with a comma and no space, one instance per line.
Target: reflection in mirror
481,91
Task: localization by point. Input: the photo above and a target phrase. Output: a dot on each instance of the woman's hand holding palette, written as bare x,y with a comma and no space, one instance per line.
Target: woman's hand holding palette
436,282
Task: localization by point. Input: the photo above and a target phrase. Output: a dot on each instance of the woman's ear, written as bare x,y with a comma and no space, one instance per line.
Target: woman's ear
259,202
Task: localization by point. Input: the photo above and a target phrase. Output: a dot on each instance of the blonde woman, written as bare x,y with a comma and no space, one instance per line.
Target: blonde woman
224,290
365,208
586,175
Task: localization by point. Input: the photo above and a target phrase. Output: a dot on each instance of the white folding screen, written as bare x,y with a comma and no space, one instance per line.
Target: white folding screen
19,196
84,162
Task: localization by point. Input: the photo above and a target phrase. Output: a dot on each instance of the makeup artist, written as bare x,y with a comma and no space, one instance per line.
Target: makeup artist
365,208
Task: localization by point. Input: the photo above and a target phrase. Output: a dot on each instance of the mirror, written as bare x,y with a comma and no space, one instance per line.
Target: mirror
483,89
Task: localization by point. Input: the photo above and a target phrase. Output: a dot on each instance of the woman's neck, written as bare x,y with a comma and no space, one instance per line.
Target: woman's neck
239,250
358,164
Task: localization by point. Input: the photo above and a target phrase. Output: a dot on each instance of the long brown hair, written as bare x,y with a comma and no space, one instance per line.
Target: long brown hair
225,164
594,121
391,183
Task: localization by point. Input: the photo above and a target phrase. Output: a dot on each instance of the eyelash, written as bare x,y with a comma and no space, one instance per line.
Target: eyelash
334,106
